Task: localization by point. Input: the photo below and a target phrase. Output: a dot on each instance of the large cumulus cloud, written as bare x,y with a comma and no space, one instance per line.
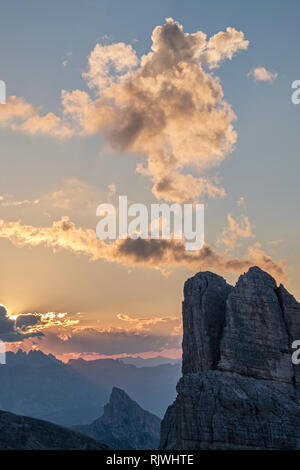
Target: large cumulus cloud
167,107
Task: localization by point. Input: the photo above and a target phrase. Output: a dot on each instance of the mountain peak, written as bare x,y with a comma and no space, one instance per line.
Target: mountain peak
121,404
124,424
258,277
119,393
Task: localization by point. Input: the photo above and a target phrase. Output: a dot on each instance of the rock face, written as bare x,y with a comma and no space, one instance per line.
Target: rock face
239,388
22,433
203,320
124,424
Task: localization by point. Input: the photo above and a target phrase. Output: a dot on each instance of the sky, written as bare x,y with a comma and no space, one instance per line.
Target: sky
166,101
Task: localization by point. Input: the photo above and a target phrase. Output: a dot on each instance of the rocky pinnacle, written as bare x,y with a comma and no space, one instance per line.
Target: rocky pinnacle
239,388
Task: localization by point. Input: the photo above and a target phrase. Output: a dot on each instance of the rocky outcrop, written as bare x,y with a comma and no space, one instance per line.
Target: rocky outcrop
291,314
23,433
256,340
239,388
215,410
124,424
203,317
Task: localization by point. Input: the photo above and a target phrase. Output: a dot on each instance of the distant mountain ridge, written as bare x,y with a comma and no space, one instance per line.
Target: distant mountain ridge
39,385
149,362
124,424
141,383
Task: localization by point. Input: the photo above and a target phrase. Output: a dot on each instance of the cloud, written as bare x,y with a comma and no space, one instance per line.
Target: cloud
240,228
266,262
241,202
275,242
65,61
112,191
107,62
10,331
36,322
236,229
74,194
65,336
171,253
224,45
19,115
6,325
261,74
7,201
167,325
109,342
166,107
71,194
27,320
154,254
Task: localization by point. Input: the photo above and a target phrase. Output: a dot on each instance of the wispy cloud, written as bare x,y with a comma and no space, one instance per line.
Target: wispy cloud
65,61
8,201
109,342
237,228
154,254
64,334
19,115
169,325
72,194
275,242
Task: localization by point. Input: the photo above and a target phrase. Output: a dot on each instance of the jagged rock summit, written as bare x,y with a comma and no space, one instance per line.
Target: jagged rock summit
239,388
124,424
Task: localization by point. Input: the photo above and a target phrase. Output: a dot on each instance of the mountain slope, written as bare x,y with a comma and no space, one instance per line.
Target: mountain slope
22,433
124,424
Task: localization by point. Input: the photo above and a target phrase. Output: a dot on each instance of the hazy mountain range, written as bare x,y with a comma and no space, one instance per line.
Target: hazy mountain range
148,386
39,385
124,425
150,362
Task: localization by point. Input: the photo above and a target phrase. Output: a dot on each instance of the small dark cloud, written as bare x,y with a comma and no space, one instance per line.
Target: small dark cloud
25,321
6,325
10,332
